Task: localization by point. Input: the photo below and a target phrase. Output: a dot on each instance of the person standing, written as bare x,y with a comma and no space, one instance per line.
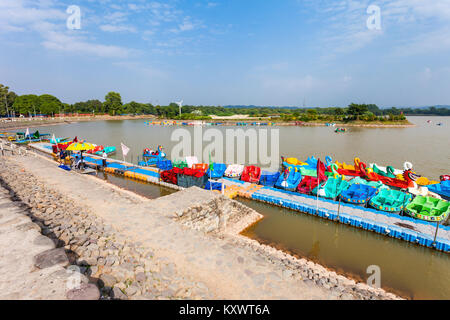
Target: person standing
104,157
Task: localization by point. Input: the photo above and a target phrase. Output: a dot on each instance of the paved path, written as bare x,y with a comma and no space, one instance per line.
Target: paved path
228,267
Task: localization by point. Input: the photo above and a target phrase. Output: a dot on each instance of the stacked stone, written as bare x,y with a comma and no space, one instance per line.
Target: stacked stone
121,268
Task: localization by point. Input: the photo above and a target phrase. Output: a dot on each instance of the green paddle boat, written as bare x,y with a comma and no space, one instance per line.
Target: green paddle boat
388,173
429,209
389,200
332,188
181,164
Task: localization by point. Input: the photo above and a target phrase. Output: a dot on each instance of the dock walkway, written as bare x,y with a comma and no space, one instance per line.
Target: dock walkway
399,227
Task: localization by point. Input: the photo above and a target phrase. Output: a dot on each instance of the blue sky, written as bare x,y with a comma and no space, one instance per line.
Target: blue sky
261,52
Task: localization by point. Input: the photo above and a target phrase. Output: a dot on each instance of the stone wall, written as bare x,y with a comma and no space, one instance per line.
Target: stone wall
217,214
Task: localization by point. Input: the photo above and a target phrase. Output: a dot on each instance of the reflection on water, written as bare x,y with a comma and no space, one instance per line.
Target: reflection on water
409,270
427,146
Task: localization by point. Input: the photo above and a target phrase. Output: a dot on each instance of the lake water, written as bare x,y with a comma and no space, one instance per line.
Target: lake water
407,269
426,146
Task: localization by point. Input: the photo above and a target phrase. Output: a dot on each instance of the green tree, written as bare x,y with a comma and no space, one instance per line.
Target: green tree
113,103
49,104
5,108
27,104
357,110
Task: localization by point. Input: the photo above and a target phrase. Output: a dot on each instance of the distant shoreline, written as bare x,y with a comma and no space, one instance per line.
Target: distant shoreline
25,123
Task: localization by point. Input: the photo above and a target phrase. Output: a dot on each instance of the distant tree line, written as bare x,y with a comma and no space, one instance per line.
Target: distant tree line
12,104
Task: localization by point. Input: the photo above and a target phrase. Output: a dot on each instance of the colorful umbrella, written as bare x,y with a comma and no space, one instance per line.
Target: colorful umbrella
80,146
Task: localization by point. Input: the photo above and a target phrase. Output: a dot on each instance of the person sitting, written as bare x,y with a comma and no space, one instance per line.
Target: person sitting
62,156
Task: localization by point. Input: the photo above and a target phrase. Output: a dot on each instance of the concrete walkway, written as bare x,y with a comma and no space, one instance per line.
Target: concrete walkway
229,267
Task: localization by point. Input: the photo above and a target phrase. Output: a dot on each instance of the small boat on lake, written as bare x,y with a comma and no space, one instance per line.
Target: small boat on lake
429,209
150,157
390,200
251,174
442,189
216,171
289,179
358,194
234,171
269,179
331,189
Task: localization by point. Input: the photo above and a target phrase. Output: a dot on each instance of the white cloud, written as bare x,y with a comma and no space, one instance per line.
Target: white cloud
117,28
49,23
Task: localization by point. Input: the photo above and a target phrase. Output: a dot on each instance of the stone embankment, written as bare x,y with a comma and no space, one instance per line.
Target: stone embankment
31,267
183,246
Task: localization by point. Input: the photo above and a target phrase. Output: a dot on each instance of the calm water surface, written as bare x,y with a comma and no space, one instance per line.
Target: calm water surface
409,270
427,146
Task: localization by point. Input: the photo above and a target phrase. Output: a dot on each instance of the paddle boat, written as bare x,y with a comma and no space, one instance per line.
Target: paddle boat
424,192
429,209
109,151
331,189
407,181
445,177
200,166
442,189
423,181
251,174
192,160
289,179
350,170
375,184
390,200
150,157
308,168
390,171
180,164
358,194
269,178
59,140
234,171
308,183
340,130
293,161
216,171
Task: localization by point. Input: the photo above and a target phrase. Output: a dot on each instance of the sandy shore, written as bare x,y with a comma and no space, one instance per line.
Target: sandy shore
183,246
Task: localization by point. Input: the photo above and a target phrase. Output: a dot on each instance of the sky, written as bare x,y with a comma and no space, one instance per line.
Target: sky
317,53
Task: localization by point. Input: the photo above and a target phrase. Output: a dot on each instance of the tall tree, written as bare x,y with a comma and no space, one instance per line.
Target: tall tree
113,103
4,107
49,104
27,104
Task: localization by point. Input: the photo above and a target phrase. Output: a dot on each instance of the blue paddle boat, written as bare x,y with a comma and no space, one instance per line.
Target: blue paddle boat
289,179
217,171
442,189
150,158
358,194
